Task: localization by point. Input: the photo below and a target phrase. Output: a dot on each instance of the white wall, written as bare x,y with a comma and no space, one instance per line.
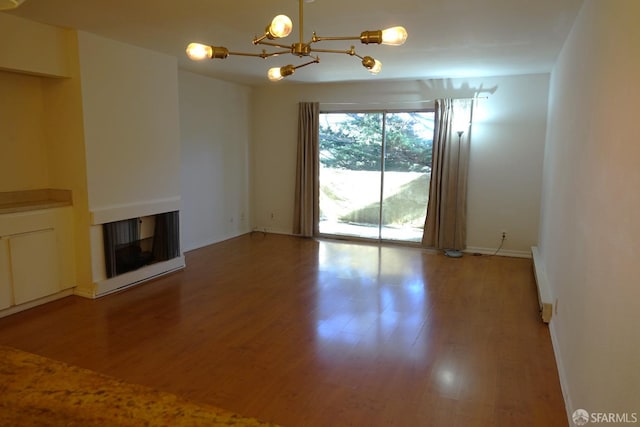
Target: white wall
132,141
215,131
506,150
590,233
131,127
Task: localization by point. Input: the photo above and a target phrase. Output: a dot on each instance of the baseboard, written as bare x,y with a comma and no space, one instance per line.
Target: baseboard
84,292
209,242
27,305
469,250
271,230
501,252
545,299
136,277
564,386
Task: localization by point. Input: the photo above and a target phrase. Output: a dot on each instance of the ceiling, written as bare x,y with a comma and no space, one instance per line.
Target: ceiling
447,38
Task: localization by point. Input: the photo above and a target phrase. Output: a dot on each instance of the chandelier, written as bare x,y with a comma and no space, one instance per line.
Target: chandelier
281,27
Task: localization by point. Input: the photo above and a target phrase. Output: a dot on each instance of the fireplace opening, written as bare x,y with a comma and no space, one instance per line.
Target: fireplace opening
134,243
131,256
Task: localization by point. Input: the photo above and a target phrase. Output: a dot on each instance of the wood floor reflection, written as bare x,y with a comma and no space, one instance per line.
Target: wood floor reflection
316,333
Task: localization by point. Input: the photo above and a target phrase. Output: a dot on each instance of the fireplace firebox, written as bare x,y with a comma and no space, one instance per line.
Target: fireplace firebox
134,243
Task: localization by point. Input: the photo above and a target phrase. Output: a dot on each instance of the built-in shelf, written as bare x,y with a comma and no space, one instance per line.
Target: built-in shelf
27,200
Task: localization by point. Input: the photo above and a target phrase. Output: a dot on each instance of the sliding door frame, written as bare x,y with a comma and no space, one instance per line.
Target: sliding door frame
316,184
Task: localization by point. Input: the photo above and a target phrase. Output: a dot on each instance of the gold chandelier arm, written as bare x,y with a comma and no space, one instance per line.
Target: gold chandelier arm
281,46
317,38
316,60
280,52
258,40
394,36
263,54
278,73
347,52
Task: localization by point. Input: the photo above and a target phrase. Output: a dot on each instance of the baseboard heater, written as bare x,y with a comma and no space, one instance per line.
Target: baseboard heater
545,301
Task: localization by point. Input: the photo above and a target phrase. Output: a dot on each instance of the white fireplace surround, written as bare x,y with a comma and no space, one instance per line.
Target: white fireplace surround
103,285
114,213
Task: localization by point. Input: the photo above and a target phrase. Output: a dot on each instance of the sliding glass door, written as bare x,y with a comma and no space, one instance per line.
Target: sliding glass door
374,174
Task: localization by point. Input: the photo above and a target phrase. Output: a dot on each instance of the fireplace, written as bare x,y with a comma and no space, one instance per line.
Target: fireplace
133,243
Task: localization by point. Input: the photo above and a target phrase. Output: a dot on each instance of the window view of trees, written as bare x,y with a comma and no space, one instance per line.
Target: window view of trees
353,140
374,173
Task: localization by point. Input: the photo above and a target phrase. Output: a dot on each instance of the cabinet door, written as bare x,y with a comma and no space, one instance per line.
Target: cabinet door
34,263
6,297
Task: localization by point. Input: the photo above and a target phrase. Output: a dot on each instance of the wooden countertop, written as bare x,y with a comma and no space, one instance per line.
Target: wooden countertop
28,200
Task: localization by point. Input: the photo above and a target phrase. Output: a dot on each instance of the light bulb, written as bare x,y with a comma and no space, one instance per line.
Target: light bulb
373,65
281,26
394,36
274,74
376,68
199,52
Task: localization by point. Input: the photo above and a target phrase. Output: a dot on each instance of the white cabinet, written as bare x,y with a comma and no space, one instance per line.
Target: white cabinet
36,255
34,265
6,291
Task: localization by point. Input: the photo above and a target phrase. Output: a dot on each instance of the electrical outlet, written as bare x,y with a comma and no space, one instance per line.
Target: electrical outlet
503,234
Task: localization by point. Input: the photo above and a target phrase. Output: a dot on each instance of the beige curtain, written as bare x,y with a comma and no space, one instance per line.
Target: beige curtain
306,168
445,226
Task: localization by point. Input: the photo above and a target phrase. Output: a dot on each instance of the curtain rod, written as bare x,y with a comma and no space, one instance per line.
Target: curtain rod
421,101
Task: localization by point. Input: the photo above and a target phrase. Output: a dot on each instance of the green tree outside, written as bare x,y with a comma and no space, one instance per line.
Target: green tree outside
353,141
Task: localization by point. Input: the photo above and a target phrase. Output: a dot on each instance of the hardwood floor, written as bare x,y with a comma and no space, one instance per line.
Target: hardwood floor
317,333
